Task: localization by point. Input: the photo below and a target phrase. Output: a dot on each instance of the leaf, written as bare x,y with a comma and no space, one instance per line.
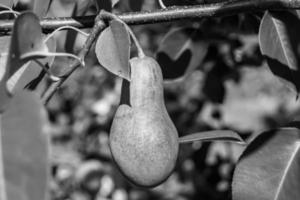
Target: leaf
80,9
6,3
30,71
114,2
173,69
213,87
40,8
4,45
279,43
224,135
129,5
269,168
3,59
26,24
104,4
135,5
181,51
24,145
113,49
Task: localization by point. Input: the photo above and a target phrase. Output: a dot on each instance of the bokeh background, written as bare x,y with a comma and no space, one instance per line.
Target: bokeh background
232,88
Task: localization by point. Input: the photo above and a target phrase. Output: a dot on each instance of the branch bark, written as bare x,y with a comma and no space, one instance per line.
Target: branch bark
230,7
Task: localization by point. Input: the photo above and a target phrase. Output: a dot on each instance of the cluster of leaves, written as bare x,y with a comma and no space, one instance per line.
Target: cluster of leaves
205,65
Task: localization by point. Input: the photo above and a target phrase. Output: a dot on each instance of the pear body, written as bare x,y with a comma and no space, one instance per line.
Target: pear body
143,139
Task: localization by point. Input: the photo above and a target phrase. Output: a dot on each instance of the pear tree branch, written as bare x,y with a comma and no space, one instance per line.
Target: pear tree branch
221,9
173,13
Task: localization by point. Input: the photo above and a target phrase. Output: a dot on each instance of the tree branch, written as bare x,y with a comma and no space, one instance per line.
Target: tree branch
230,7
162,15
98,27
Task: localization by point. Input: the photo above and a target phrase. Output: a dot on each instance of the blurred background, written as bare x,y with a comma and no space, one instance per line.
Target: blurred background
230,87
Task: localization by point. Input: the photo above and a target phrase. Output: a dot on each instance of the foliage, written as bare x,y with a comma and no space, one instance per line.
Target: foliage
219,91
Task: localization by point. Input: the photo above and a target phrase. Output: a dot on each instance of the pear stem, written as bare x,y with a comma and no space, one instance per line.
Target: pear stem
110,16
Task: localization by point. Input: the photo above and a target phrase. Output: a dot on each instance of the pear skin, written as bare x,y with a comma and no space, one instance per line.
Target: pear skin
143,139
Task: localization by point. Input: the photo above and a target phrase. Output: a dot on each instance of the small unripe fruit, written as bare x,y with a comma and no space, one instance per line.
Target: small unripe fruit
143,139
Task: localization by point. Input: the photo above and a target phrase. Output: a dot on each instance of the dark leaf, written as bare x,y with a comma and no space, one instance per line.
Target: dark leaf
113,49
269,168
135,5
213,87
219,135
184,2
104,5
24,145
128,5
175,47
279,43
172,69
125,93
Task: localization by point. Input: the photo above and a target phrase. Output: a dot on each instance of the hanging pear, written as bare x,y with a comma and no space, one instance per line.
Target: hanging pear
143,139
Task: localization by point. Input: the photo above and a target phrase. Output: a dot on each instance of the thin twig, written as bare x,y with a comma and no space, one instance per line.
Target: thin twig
65,27
170,14
98,27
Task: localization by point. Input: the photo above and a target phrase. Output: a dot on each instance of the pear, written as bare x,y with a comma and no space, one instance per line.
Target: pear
143,139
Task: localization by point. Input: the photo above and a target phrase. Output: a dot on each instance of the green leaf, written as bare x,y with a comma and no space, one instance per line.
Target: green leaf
24,149
27,24
269,168
80,9
4,45
114,2
8,3
40,8
279,43
113,49
181,51
3,60
30,71
219,135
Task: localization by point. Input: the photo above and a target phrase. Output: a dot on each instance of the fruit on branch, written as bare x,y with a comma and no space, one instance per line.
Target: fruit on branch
143,139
